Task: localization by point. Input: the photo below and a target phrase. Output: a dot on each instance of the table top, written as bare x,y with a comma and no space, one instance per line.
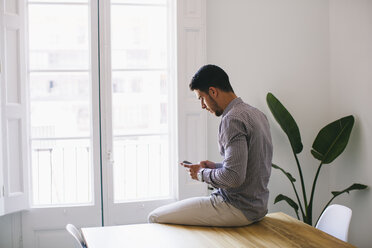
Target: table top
275,230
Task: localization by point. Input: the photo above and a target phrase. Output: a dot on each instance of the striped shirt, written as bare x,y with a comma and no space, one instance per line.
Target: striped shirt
243,176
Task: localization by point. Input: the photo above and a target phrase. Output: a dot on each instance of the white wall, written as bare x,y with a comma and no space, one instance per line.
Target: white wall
351,89
316,57
280,47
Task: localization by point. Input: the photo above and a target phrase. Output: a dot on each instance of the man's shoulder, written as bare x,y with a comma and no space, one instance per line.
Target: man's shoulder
245,113
239,110
236,116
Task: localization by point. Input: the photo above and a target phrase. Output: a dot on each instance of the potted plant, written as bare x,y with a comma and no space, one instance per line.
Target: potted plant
328,145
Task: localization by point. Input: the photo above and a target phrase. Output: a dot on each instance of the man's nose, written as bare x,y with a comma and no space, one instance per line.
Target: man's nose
203,106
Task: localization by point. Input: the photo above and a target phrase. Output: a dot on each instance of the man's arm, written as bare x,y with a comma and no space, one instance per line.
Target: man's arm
210,165
233,172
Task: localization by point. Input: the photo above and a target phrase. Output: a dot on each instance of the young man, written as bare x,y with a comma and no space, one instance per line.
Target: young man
242,177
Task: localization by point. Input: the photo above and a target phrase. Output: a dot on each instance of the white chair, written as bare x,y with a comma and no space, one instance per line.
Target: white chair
335,221
76,234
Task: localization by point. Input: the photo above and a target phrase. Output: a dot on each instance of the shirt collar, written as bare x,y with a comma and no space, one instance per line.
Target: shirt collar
231,105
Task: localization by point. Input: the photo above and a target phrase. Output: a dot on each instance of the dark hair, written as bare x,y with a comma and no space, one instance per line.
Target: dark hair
210,76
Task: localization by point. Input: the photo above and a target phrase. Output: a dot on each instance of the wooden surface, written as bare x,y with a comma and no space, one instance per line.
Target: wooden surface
275,230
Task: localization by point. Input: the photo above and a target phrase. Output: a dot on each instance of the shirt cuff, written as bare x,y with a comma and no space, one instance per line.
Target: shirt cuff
218,165
207,177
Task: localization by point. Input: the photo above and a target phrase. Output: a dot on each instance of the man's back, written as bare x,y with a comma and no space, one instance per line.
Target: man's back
243,123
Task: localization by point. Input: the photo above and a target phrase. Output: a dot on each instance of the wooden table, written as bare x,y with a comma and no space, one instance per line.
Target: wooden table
275,230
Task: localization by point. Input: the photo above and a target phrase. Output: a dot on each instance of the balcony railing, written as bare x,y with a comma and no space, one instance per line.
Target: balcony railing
62,172
141,168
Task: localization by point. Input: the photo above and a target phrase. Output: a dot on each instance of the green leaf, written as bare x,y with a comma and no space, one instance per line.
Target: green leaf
292,179
332,139
291,203
355,186
286,122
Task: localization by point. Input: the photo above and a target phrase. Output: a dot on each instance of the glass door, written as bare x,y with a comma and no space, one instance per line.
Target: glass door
60,103
140,85
63,94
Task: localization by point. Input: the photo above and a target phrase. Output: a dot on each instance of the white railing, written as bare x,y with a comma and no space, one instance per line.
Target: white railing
62,169
141,168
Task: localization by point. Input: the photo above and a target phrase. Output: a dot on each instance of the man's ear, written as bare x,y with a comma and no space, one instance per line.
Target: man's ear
213,92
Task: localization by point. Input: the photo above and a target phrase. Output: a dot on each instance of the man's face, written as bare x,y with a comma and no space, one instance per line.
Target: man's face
208,103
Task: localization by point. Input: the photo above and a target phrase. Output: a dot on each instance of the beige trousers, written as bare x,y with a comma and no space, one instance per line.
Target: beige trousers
200,211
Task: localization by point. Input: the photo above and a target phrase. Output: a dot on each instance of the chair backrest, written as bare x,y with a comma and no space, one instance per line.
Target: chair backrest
76,234
335,221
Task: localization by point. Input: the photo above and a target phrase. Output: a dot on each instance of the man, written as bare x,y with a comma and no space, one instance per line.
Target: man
242,177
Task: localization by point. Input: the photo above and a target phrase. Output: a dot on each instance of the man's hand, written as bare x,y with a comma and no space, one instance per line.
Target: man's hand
208,164
193,169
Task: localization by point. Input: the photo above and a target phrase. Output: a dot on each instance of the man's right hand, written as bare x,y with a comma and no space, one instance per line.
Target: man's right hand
208,164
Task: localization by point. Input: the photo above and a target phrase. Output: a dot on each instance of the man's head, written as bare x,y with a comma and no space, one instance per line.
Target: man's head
210,76
212,87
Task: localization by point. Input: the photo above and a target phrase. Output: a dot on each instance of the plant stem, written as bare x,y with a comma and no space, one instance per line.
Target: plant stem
325,208
299,202
310,209
302,184
298,217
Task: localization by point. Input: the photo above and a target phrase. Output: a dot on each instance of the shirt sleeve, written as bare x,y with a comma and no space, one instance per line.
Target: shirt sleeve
218,165
233,171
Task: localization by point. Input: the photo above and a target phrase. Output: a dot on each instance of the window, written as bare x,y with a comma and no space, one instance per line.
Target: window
61,100
140,68
89,94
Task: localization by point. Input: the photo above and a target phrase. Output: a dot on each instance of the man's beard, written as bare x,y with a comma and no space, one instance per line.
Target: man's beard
216,109
218,113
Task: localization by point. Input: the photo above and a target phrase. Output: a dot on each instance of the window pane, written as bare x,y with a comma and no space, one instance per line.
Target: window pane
60,104
139,102
139,37
58,36
60,111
